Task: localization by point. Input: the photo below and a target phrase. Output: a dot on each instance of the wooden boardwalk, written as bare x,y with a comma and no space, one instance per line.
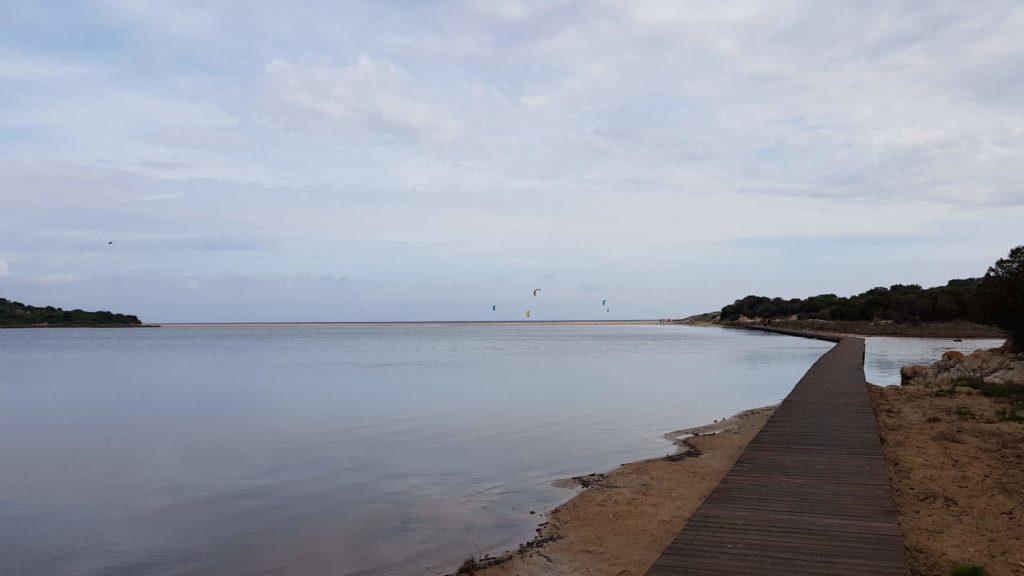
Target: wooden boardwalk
809,495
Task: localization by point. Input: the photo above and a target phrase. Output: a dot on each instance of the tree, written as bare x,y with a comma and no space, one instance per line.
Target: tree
1001,296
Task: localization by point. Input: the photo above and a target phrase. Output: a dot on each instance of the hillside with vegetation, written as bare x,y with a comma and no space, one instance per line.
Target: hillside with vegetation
992,305
18,315
900,303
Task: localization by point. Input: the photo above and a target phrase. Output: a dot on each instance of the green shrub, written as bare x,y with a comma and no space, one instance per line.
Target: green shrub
968,570
1013,392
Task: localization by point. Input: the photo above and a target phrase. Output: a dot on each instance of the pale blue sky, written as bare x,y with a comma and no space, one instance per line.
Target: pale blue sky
425,160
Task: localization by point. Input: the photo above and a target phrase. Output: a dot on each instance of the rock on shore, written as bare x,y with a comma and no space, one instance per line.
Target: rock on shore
994,366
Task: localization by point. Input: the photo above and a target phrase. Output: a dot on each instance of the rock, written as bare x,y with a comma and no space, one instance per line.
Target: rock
1014,375
953,357
960,373
984,362
995,366
910,373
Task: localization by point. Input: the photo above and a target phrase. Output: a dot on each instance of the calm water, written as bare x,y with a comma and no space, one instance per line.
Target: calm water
341,450
884,356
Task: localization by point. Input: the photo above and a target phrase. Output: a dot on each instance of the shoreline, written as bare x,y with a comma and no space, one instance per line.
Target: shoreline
647,501
93,326
937,330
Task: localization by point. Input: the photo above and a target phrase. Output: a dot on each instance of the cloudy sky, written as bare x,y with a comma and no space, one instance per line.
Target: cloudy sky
425,160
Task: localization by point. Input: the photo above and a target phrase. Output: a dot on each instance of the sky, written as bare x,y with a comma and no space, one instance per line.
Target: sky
360,161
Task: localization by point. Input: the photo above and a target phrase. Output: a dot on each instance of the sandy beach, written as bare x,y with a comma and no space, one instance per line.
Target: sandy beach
957,473
955,465
622,519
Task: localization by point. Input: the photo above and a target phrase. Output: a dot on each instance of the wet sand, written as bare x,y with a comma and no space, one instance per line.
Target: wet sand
622,519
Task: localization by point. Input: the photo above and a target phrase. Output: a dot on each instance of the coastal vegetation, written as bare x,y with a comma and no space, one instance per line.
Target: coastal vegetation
1001,296
17,315
968,570
965,307
900,303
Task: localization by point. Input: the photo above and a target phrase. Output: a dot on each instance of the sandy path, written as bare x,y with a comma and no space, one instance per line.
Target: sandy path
620,524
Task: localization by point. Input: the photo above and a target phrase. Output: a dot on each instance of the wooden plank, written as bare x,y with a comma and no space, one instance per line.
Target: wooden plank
809,495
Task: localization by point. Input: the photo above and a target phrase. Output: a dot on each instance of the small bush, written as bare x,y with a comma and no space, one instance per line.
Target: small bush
964,413
968,570
1012,391
1010,414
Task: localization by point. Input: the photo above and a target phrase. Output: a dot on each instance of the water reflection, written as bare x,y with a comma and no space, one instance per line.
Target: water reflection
337,449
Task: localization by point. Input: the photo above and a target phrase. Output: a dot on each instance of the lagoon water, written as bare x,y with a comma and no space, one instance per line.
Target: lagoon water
338,449
885,355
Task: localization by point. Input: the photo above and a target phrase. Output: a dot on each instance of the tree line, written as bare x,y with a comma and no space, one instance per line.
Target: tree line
899,303
996,298
16,314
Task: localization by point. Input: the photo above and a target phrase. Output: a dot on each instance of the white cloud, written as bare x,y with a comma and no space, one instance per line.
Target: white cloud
534,100
51,280
370,94
400,138
5,270
21,67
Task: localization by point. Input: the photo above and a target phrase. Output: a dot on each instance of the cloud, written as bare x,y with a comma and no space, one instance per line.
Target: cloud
416,142
370,94
534,100
5,270
29,68
51,280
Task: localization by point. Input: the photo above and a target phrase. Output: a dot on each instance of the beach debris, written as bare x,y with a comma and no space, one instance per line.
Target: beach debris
535,292
494,307
110,242
538,542
471,565
588,480
527,313
604,302
690,452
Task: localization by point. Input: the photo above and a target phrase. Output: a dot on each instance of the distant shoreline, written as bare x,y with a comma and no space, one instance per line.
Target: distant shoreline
415,323
963,329
78,326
